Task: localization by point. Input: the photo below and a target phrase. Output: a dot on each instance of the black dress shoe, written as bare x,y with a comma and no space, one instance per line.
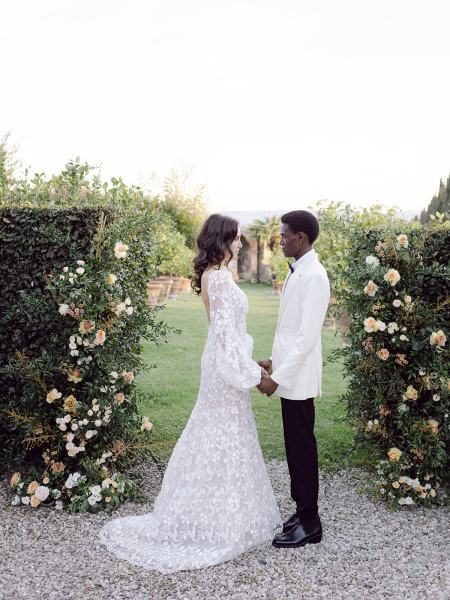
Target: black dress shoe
299,535
290,523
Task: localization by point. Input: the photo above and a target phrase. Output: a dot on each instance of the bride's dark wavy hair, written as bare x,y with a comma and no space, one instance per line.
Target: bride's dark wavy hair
213,243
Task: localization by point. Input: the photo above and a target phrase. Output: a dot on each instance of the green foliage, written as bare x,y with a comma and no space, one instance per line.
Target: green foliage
397,359
338,223
71,344
439,205
265,231
186,207
278,263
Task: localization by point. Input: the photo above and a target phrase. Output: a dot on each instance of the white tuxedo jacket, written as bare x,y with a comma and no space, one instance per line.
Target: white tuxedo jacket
297,347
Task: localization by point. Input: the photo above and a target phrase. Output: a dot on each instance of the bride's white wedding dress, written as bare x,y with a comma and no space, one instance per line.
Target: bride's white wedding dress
216,500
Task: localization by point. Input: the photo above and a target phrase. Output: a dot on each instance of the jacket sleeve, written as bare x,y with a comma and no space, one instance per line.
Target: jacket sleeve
234,363
313,310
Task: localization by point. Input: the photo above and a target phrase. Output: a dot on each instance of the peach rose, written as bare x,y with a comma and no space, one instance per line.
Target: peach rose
383,354
119,398
75,376
128,376
57,467
433,426
32,487
100,337
34,501
15,479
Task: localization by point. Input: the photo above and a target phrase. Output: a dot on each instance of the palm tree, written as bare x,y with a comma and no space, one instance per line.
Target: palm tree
263,230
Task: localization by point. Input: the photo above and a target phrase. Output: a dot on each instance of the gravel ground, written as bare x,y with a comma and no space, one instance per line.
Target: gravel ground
367,552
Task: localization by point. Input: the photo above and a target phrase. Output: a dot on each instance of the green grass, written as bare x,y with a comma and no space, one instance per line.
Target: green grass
174,383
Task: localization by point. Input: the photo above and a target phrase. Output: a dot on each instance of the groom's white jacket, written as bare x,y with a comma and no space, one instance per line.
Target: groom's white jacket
297,347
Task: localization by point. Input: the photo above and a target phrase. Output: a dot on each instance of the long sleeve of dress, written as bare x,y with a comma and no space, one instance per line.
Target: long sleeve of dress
233,356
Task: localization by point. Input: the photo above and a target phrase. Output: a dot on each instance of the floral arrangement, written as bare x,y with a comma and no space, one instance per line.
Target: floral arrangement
397,358
86,424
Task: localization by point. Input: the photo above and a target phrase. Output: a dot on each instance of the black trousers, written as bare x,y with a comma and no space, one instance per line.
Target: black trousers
301,454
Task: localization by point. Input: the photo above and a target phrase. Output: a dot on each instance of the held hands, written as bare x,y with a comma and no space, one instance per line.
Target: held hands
267,385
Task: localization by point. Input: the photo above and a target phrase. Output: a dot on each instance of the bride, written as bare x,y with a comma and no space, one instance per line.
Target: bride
216,500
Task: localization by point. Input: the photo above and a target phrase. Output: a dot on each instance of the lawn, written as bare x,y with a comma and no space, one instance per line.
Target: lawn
175,380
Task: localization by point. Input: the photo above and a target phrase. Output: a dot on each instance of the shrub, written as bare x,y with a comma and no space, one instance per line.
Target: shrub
397,359
73,350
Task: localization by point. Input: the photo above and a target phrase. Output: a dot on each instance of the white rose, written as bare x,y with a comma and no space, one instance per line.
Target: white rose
404,338
406,501
372,261
92,500
25,499
72,346
98,423
63,309
407,299
397,303
120,250
58,505
381,326
436,397
127,301
130,310
65,269
114,374
74,427
74,353
42,492
80,262
15,500
80,270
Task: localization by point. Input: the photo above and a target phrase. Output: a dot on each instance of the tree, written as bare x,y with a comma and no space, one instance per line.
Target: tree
8,165
440,203
183,200
264,231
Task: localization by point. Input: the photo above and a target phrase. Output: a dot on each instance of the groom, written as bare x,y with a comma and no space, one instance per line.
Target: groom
295,371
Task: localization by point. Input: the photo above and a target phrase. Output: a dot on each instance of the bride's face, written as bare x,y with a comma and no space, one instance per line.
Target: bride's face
236,245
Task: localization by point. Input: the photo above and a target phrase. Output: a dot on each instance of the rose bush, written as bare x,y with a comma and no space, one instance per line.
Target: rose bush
397,286
77,417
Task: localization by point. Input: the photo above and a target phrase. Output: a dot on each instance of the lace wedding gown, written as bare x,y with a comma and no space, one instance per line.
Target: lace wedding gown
216,500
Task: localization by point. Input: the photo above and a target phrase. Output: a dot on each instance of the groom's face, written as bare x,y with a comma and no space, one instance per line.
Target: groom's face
290,241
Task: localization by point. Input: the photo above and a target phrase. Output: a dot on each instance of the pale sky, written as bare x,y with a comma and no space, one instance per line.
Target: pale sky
273,103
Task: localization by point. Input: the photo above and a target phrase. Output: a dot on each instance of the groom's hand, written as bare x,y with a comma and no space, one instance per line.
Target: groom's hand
267,386
266,364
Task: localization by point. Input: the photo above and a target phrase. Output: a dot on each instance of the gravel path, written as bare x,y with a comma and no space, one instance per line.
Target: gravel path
367,552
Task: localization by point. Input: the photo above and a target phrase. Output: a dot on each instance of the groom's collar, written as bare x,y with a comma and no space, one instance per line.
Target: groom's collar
306,258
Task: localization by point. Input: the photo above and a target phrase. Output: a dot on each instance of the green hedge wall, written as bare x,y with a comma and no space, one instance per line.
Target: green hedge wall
33,242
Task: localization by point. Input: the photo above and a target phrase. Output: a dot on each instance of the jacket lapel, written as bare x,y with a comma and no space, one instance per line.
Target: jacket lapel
294,279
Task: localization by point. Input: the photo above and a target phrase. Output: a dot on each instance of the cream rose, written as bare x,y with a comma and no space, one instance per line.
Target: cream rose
438,338
370,325
70,403
392,276
53,395
394,454
371,288
111,279
402,241
34,501
411,393
146,424
128,376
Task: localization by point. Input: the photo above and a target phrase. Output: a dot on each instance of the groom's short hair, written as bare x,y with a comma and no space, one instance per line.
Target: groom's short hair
304,221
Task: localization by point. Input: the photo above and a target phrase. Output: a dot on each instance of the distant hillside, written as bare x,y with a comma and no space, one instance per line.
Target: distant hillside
245,217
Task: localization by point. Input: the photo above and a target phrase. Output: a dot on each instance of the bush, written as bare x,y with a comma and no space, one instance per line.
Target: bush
397,361
69,418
